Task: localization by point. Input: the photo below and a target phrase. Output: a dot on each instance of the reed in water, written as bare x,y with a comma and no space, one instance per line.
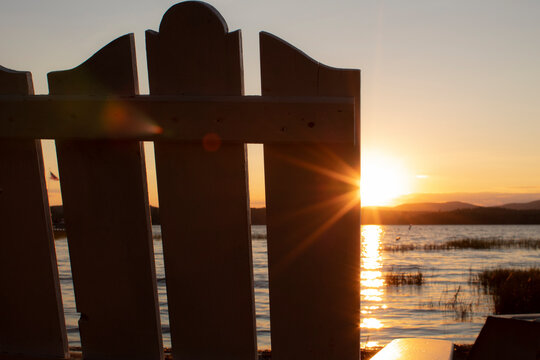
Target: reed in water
514,291
397,279
470,243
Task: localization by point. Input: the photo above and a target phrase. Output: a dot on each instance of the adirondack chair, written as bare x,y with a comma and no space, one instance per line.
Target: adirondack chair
508,337
416,349
308,120
502,337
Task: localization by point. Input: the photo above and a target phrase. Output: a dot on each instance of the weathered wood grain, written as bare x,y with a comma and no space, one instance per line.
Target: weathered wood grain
31,312
235,118
203,195
313,219
107,220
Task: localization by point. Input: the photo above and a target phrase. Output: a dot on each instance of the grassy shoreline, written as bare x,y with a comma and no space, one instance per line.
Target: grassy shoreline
514,290
403,278
469,244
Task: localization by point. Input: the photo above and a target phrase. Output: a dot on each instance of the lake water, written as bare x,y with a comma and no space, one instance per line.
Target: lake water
447,306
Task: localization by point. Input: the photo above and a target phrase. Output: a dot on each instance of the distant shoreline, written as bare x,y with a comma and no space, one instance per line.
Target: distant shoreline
450,213
474,216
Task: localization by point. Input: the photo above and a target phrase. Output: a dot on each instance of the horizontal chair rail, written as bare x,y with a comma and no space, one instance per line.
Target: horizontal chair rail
235,119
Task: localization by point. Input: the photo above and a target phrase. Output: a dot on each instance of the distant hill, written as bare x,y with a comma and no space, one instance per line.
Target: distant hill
453,213
433,207
471,216
533,205
258,216
416,213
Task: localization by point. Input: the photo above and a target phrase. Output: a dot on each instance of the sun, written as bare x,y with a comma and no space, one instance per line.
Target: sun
383,179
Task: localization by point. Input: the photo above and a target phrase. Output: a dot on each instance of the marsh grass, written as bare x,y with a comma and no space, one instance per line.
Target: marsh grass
402,278
514,290
258,236
457,303
462,308
470,244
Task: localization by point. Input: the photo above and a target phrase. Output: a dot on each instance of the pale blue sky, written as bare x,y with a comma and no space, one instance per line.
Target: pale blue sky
450,89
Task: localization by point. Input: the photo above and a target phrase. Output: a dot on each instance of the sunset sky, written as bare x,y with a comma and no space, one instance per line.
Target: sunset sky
450,89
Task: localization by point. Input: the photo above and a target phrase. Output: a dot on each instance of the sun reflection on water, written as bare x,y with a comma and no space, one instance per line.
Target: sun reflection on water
371,344
372,281
371,323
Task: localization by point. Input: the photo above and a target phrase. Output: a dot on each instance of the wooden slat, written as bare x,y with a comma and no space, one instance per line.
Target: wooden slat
507,338
107,220
203,193
31,312
234,118
417,349
313,220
